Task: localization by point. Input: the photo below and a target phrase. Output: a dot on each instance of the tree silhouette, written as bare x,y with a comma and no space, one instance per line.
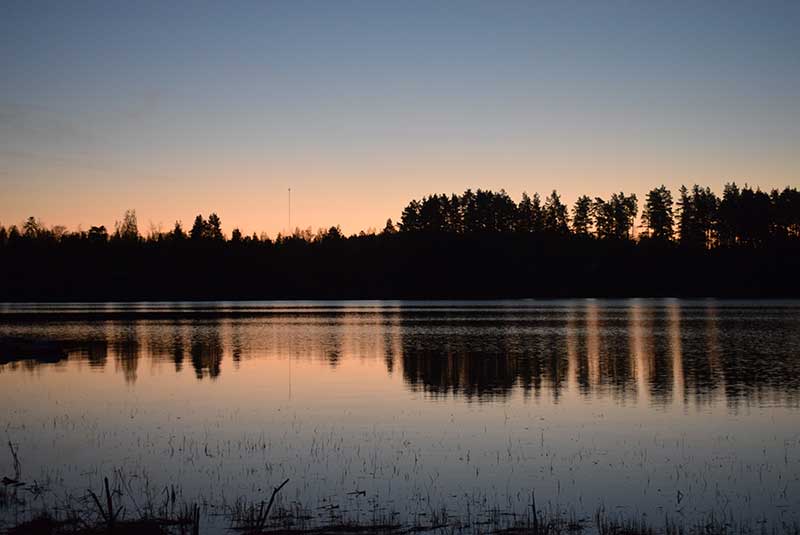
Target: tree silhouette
556,218
198,231
537,214
705,206
32,228
728,223
624,209
332,234
410,218
754,210
786,213
686,217
13,235
524,214
504,210
432,213
214,228
127,229
454,216
614,219
603,218
469,212
697,217
208,230
98,235
657,216
177,234
389,228
582,216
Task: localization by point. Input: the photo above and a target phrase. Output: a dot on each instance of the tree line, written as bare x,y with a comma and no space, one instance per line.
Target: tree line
743,216
477,244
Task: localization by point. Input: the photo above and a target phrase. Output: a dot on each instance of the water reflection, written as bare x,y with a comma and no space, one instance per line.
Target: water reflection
126,349
653,352
206,350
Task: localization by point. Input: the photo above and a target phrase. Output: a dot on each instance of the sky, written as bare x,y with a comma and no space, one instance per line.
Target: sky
180,108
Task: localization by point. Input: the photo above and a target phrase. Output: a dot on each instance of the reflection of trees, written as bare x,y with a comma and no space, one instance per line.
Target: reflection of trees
458,367
388,354
206,350
758,356
93,351
485,365
655,352
615,364
126,349
236,343
177,349
700,352
658,345
652,351
542,361
97,353
331,340
392,328
165,343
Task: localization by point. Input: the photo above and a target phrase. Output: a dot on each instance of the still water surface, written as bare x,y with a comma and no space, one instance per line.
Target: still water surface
655,407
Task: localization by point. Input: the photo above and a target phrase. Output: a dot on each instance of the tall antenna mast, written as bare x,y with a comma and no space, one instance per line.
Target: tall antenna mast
290,212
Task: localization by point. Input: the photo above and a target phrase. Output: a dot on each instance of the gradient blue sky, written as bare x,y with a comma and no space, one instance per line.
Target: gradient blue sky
175,108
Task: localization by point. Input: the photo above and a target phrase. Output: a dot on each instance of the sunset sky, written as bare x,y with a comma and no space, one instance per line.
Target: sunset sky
175,108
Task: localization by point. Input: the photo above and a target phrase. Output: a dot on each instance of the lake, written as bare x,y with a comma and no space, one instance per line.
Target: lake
409,410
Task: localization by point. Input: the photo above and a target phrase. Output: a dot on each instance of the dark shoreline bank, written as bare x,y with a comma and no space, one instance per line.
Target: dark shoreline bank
396,267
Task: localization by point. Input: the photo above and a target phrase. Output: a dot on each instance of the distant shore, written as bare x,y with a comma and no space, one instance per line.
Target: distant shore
477,245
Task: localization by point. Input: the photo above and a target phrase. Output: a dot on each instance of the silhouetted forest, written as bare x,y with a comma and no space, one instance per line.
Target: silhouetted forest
477,244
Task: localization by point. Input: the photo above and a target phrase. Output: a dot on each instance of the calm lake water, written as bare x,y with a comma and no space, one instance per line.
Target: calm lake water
648,407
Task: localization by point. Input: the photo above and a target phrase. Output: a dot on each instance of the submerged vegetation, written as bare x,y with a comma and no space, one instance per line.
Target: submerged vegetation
477,244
